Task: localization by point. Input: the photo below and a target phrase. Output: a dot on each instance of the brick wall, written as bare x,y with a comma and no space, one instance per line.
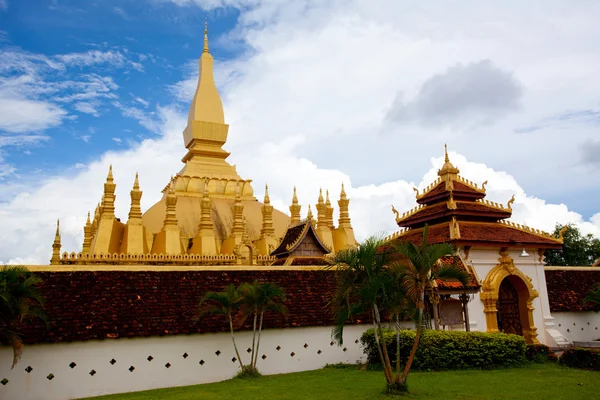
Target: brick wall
568,287
86,305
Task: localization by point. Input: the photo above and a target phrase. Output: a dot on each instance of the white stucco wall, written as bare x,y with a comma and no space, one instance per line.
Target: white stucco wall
77,382
583,326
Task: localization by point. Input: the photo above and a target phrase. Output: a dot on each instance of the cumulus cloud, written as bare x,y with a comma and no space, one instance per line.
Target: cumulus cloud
474,92
20,115
590,152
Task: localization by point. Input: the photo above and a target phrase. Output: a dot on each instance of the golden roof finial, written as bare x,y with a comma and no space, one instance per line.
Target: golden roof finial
109,178
343,192
320,200
446,159
136,182
448,170
295,197
206,35
267,199
309,216
327,197
88,222
57,235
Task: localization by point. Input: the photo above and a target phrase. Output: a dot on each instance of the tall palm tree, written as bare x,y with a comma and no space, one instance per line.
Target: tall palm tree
227,304
259,298
364,285
418,269
20,300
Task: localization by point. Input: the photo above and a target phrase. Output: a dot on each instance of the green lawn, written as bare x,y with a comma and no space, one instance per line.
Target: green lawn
537,381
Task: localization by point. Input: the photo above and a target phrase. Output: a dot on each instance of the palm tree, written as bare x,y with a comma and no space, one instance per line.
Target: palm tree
364,285
20,300
225,303
418,269
259,298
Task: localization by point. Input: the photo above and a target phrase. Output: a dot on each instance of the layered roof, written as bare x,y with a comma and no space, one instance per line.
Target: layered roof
301,245
456,211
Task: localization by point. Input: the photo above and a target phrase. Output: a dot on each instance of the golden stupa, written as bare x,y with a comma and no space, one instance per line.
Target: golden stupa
208,213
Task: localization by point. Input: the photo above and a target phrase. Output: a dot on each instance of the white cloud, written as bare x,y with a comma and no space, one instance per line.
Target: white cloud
3,4
87,108
21,115
92,57
117,140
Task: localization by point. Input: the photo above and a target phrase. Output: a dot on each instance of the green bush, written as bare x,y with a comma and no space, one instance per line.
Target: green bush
445,350
581,358
540,353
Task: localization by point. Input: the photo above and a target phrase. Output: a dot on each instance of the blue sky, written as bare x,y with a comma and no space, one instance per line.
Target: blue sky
316,93
120,56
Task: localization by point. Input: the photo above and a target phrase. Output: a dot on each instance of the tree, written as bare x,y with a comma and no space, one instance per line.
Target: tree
365,285
418,269
225,303
593,297
259,298
578,249
20,300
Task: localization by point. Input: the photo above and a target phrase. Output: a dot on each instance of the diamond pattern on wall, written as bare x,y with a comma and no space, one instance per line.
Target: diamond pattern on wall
28,369
131,369
218,352
278,348
4,381
305,345
319,352
92,372
168,365
201,362
233,359
185,355
345,349
249,350
264,357
72,365
112,362
292,354
50,377
331,343
150,358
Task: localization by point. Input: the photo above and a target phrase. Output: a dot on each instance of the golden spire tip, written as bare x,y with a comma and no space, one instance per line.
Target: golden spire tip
206,35
446,152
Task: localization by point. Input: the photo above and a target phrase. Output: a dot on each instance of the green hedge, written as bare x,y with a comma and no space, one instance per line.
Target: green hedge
540,353
445,350
581,358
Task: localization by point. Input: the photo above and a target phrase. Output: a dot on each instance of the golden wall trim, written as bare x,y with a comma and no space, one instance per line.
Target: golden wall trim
490,294
135,268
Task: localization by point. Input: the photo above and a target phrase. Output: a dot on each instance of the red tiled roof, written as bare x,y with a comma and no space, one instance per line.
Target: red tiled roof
459,190
470,208
568,287
290,237
479,232
473,284
499,233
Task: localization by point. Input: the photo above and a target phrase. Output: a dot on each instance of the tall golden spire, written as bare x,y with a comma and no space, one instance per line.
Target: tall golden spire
135,212
323,226
329,210
205,241
295,209
134,236
267,229
108,206
56,246
87,235
343,202
205,35
309,215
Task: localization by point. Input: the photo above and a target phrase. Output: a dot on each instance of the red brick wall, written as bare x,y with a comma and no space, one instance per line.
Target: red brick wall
96,305
568,287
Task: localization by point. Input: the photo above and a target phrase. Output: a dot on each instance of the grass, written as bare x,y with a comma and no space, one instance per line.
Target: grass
531,382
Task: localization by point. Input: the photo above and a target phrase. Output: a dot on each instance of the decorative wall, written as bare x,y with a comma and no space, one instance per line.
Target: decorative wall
64,371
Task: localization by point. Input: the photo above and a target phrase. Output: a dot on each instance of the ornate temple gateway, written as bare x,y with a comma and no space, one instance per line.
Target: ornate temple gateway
208,214
507,256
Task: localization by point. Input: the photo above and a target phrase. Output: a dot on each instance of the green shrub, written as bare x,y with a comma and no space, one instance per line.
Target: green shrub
540,353
581,358
445,350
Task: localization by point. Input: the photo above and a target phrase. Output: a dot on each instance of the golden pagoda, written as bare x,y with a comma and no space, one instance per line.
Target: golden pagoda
208,214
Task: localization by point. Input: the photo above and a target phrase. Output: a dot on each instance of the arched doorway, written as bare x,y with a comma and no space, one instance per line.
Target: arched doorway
509,313
507,295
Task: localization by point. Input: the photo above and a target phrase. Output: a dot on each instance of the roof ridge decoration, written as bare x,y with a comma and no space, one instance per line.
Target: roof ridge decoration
527,229
492,204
